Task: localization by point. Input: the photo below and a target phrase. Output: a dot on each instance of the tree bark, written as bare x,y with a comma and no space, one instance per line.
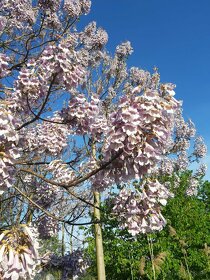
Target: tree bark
98,240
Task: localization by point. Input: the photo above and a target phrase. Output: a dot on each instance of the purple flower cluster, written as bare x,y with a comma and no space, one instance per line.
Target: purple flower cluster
200,148
139,77
182,161
18,13
18,253
28,90
22,14
124,50
8,150
138,131
73,264
75,8
192,189
52,5
49,137
85,117
57,64
3,64
167,166
47,227
44,195
201,171
140,211
3,22
93,37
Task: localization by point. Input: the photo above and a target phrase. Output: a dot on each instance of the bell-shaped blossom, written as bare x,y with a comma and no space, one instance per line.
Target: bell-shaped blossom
49,137
47,227
52,5
182,161
93,37
19,13
8,148
201,170
192,189
45,194
184,129
58,65
118,70
200,148
139,77
19,253
167,166
138,135
123,50
4,65
140,212
72,7
73,264
3,22
85,117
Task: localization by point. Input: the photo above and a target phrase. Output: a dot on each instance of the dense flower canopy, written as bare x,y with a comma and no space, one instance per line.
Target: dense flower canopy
75,119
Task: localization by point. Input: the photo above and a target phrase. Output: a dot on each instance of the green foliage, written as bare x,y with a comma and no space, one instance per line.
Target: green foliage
180,251
52,244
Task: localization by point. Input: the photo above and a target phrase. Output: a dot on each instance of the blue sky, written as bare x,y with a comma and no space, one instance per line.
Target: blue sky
172,35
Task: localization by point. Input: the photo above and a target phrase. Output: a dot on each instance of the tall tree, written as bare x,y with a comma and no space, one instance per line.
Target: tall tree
76,121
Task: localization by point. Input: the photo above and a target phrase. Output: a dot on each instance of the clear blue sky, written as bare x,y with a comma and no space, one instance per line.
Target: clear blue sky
172,35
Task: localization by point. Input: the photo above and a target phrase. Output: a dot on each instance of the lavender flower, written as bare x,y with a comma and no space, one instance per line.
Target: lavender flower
18,253
124,50
140,212
200,148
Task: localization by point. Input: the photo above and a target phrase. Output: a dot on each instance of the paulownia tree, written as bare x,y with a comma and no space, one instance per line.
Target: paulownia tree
75,121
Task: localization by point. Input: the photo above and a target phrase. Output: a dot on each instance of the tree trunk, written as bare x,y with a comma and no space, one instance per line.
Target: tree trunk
99,240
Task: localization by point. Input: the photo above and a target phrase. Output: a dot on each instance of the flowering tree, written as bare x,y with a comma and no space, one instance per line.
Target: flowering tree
76,121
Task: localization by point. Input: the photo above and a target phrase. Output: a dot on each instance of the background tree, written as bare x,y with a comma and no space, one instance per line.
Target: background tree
179,251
